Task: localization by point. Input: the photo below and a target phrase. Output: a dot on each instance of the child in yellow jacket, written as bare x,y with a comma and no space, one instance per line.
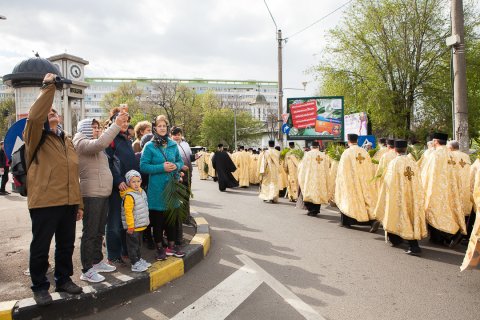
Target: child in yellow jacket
135,219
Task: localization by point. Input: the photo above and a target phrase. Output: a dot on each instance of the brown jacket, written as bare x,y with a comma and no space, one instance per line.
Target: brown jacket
52,177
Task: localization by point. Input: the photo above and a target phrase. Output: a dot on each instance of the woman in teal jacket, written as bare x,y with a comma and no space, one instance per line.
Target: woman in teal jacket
161,161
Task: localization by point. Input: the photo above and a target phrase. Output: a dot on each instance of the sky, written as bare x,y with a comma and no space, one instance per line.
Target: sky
209,39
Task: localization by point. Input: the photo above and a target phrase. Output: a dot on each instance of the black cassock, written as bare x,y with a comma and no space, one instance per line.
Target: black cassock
223,164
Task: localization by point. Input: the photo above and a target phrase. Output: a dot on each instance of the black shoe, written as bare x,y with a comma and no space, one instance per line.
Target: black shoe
69,287
4,193
42,297
345,226
374,227
414,251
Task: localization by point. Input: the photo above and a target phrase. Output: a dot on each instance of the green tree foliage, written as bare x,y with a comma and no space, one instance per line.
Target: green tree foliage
7,116
128,93
205,120
389,58
218,127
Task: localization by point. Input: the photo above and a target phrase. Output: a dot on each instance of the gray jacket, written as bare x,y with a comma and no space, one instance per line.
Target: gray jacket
140,210
95,175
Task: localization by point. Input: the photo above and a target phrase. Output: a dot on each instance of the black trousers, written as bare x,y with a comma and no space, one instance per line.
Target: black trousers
347,221
312,207
94,221
439,237
134,243
159,225
47,222
4,178
396,240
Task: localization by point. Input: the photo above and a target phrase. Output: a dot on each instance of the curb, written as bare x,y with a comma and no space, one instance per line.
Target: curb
123,287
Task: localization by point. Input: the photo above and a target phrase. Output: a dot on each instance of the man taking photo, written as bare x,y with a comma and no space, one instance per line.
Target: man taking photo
54,199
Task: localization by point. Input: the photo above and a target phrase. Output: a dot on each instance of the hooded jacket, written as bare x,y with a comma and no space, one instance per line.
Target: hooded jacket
95,176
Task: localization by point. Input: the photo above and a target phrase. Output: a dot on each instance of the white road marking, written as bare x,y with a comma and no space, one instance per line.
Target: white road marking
222,300
297,303
219,302
154,314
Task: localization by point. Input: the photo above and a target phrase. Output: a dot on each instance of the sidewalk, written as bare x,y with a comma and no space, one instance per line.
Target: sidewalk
15,284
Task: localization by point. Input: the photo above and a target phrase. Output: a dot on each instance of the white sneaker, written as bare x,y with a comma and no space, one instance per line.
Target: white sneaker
102,266
92,276
145,263
139,267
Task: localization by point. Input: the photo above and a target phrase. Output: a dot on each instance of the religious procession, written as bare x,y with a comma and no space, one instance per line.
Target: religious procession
413,192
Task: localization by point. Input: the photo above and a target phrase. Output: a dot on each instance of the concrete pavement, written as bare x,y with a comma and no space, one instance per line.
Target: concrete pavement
339,273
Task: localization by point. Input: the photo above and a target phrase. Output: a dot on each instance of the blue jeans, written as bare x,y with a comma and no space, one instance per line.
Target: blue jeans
114,232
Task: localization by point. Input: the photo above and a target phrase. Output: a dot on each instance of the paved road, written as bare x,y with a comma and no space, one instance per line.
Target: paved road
271,261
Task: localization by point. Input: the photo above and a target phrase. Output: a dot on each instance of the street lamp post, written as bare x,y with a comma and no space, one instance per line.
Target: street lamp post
235,125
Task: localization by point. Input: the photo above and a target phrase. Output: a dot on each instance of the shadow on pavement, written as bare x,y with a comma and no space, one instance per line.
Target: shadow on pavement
433,252
203,204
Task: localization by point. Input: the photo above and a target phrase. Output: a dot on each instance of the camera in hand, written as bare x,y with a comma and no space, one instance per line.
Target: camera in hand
60,81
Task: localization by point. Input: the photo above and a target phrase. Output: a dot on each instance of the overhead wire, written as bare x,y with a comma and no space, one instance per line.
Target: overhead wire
271,15
317,21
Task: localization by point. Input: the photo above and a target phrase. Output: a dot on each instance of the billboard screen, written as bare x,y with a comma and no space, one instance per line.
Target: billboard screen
314,118
356,123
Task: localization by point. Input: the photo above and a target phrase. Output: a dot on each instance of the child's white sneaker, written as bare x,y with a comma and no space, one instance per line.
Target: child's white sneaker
139,267
92,276
145,263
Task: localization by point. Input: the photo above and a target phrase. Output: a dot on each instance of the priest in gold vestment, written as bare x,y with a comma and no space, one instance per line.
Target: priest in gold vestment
472,256
254,175
461,165
354,194
291,169
383,149
211,170
443,205
424,158
473,171
202,165
269,163
283,179
241,159
387,156
313,179
400,205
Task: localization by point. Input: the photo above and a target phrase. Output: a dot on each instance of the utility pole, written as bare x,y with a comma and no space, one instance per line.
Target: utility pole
460,76
280,87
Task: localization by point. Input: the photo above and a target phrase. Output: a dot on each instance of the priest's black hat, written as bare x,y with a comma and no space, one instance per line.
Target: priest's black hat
391,142
241,148
401,144
271,143
352,137
382,140
220,145
440,136
315,144
291,144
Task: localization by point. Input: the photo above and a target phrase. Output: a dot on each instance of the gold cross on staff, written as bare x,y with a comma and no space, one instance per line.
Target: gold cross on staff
319,159
360,158
451,161
462,163
409,173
